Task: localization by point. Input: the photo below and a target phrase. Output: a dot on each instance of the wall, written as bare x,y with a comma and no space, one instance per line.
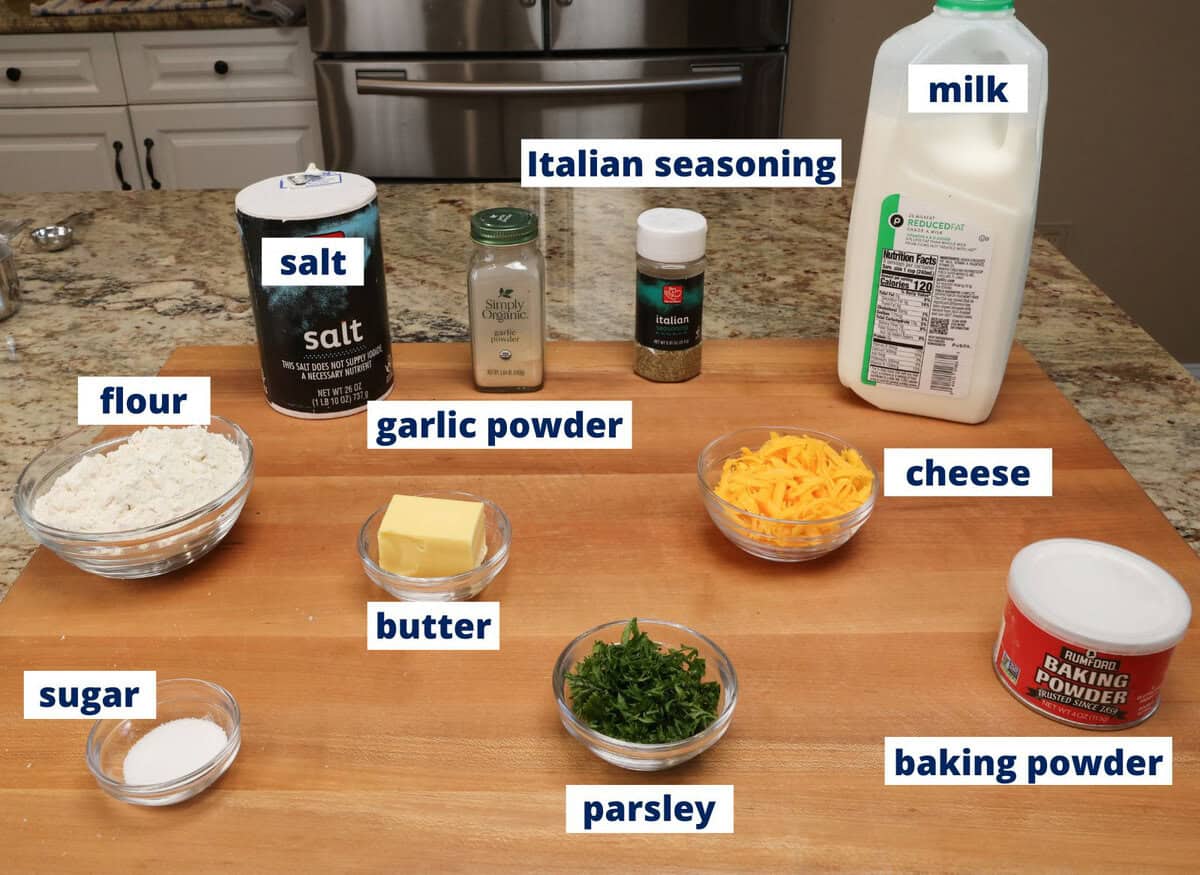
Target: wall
1119,173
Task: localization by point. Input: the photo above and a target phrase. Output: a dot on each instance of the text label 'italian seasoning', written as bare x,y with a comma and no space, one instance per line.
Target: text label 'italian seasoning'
639,163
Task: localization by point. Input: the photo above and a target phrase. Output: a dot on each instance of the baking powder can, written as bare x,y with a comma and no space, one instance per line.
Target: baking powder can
1088,632
325,350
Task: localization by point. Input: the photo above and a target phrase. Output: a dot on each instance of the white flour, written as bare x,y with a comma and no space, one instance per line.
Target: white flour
157,475
172,750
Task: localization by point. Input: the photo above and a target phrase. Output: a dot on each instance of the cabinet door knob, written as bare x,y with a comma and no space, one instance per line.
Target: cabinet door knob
220,68
13,74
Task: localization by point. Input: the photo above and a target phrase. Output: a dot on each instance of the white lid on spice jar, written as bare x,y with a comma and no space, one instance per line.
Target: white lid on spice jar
671,235
309,194
1099,596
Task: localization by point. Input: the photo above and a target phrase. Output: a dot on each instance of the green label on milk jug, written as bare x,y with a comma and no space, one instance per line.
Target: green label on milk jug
931,272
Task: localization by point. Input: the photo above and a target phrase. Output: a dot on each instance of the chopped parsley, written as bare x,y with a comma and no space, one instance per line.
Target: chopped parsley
639,692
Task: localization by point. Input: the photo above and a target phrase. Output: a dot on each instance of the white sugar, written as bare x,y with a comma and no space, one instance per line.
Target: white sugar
174,749
155,476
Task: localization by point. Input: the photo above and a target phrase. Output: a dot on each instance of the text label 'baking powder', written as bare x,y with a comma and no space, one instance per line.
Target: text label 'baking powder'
1027,761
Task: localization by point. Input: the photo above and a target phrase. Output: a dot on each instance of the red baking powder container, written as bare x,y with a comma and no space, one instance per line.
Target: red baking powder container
1088,632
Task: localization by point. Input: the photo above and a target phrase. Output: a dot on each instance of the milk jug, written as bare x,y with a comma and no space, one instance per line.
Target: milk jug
944,204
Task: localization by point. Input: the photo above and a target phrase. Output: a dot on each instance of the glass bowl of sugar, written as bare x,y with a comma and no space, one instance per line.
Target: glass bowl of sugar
191,742
138,505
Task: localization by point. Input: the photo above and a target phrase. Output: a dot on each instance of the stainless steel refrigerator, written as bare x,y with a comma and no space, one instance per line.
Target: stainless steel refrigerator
446,89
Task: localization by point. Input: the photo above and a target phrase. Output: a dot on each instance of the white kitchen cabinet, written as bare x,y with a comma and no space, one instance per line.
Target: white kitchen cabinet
62,69
67,149
185,66
225,145
163,109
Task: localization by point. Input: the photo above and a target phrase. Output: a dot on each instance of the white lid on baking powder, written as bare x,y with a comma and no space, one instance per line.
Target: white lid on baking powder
671,236
1099,596
308,194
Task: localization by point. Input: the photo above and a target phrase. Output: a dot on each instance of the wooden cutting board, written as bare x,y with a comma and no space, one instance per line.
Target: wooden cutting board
433,761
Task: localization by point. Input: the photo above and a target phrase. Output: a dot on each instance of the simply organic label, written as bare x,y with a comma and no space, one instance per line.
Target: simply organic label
312,261
992,761
433,626
974,472
962,88
649,808
144,400
485,425
90,695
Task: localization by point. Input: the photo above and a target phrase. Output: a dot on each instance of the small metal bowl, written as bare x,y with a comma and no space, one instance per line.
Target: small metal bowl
52,238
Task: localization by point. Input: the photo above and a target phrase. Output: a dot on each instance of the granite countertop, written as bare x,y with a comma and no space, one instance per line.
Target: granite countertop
16,18
158,269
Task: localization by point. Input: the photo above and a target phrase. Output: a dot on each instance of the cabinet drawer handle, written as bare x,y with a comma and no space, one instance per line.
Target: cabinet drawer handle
117,147
220,68
13,74
154,183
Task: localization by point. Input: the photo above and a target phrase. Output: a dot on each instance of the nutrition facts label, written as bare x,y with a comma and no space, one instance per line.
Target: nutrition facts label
902,309
925,310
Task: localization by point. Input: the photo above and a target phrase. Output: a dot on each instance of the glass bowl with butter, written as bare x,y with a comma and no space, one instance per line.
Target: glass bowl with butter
420,547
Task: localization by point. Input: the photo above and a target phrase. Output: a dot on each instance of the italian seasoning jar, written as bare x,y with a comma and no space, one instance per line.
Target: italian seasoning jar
670,294
505,293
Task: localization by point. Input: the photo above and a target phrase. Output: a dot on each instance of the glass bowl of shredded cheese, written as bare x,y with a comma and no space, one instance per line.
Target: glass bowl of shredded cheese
138,505
190,743
786,494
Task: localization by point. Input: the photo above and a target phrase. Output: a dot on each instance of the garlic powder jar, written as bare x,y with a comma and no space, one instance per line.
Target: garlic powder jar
505,292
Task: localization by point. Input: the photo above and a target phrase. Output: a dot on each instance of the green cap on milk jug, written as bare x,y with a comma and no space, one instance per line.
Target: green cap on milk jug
976,5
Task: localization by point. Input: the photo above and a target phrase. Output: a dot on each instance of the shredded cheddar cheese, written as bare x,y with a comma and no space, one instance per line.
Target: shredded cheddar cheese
795,479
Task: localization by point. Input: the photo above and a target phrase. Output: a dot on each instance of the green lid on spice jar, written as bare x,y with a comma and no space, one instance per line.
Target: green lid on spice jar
975,5
504,226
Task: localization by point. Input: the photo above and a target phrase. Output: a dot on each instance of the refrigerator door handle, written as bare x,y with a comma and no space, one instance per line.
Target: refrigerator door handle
395,82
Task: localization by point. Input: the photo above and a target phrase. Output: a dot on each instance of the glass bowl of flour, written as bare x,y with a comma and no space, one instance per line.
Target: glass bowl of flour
191,742
139,505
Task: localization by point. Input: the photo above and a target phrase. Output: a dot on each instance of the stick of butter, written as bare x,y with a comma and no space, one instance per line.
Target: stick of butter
431,537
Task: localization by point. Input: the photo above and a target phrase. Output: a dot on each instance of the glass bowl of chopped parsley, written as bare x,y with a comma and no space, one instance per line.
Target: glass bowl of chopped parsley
645,695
